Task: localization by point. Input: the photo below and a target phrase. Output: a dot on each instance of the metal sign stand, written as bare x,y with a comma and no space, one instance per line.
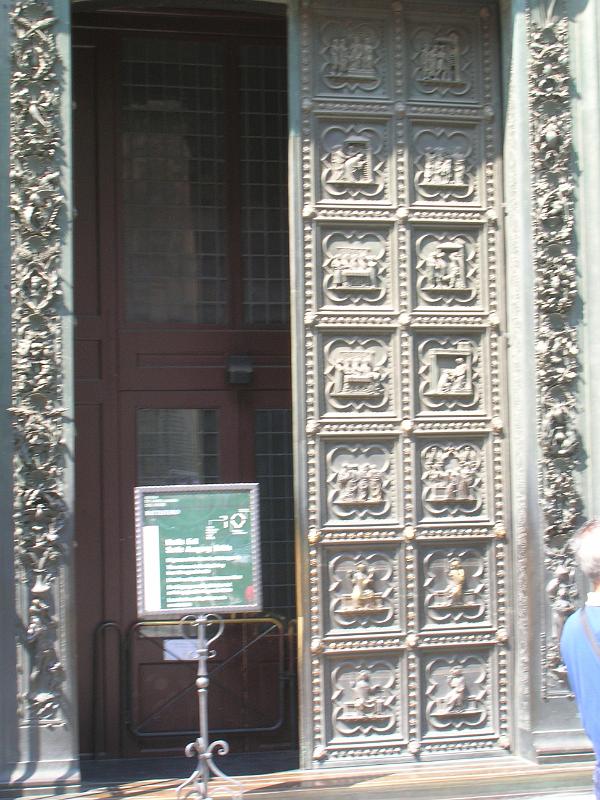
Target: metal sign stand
196,786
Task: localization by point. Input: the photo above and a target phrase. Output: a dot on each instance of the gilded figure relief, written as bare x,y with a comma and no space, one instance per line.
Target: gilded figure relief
364,698
457,691
360,480
452,479
454,586
362,589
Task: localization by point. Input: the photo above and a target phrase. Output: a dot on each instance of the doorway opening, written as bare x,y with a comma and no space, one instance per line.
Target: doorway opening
182,355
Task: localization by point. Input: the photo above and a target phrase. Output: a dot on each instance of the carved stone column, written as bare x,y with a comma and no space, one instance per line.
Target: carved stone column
41,402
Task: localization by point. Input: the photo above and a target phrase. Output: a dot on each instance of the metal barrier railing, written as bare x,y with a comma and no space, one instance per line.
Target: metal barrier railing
98,660
155,632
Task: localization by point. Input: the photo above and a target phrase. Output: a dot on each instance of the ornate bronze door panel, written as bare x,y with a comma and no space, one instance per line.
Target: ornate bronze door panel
402,372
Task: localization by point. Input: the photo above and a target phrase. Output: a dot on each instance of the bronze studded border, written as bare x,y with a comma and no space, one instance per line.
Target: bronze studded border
556,335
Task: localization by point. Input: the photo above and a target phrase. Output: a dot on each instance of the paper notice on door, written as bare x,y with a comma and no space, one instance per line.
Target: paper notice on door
151,547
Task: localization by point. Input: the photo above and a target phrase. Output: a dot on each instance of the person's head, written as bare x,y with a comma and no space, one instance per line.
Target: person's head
586,546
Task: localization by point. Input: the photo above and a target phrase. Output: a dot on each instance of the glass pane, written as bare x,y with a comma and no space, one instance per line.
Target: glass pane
173,181
264,246
274,474
177,446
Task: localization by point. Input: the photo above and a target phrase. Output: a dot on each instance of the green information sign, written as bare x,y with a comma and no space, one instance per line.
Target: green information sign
197,549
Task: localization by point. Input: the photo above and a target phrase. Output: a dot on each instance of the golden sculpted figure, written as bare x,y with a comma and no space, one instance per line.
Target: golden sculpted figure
456,578
362,586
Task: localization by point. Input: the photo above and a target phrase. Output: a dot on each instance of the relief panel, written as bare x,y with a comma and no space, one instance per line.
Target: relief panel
359,375
458,691
360,482
353,268
365,698
447,268
446,164
455,586
354,160
454,479
353,57
363,588
450,375
444,60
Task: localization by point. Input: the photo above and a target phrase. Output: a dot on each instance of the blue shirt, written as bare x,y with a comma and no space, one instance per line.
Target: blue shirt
583,668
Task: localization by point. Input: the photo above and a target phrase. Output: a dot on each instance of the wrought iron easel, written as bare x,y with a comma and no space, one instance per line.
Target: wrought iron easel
196,786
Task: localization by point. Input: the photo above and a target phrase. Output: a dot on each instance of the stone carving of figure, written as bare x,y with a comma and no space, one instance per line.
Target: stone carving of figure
559,434
338,161
351,163
445,268
346,482
465,476
555,206
368,63
451,474
455,697
360,484
454,272
363,483
356,54
355,375
364,701
454,379
352,59
441,168
458,485
428,167
458,170
446,167
375,485
436,265
429,61
362,586
439,60
338,265
562,607
456,577
336,56
354,167
353,267
353,492
558,589
451,71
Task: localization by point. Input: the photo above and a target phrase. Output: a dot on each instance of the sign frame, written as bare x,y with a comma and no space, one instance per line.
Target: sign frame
252,489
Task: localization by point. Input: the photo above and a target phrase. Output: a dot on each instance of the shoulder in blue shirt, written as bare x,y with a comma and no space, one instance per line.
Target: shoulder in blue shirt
583,668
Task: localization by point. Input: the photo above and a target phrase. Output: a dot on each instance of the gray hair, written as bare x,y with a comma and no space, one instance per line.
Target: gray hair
586,546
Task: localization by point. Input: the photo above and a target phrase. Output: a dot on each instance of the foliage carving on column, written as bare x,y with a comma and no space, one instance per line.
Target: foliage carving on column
556,334
37,205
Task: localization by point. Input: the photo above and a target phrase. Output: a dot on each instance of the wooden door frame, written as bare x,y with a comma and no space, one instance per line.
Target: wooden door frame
136,366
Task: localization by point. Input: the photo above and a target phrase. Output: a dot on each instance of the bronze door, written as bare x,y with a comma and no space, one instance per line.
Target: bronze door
400,313
182,343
